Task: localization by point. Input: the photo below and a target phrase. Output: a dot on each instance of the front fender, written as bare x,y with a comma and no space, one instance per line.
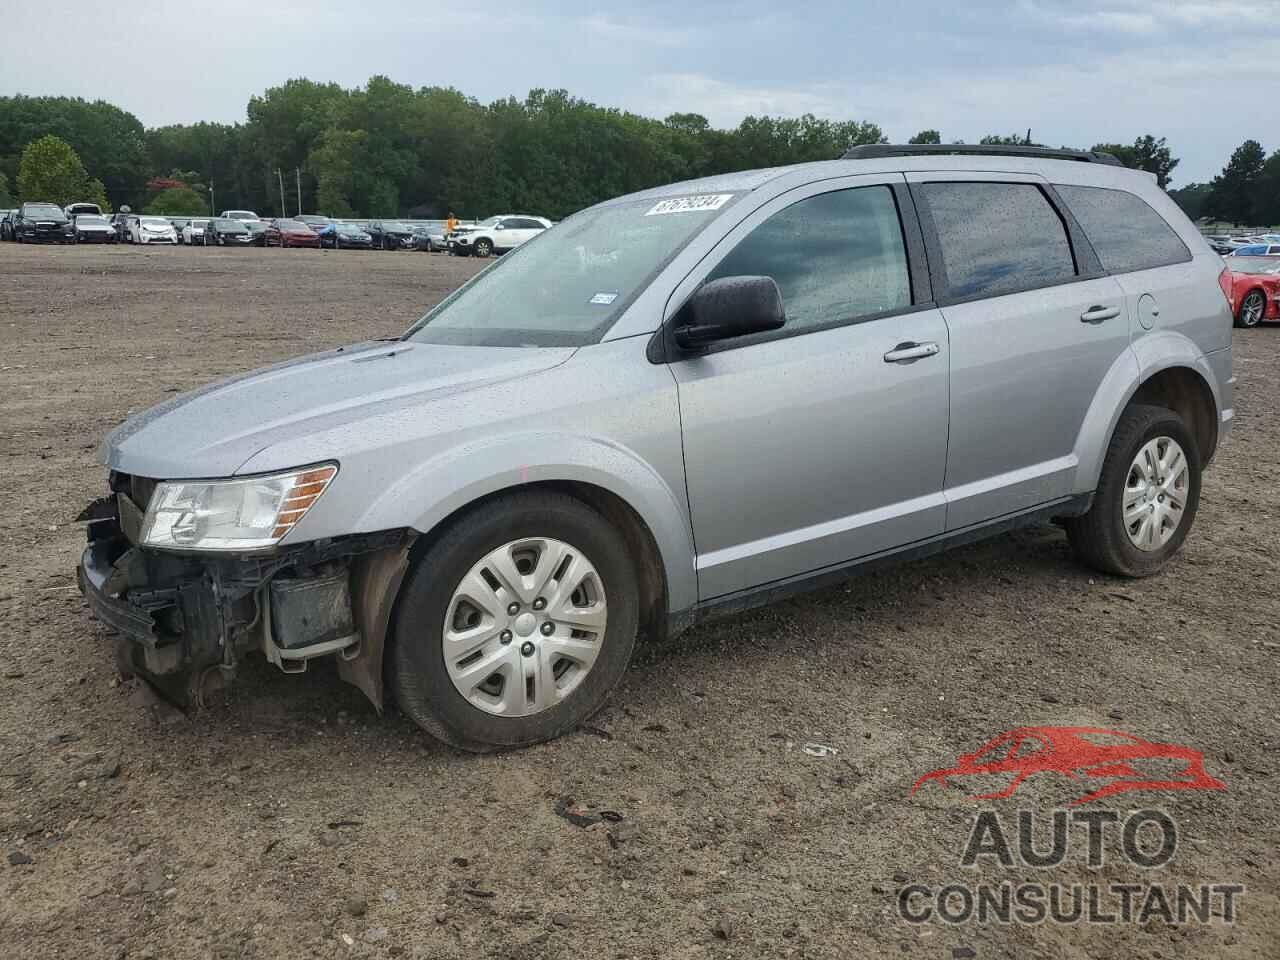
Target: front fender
426,495
1146,356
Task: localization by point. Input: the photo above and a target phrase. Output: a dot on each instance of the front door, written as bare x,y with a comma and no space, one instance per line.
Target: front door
824,441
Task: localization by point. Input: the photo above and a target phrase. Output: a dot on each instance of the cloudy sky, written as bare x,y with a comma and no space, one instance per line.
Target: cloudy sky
1075,72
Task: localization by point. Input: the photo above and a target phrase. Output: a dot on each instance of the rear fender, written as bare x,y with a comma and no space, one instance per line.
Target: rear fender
1145,357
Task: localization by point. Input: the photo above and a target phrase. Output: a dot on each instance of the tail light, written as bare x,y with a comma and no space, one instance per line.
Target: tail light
1224,281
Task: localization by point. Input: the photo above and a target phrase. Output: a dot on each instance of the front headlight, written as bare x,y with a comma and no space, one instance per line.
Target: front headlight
242,514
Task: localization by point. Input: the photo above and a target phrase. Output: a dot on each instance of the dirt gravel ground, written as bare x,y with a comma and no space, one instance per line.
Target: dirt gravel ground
296,822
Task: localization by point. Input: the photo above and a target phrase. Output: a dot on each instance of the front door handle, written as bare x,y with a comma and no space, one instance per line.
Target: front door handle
1098,314
910,351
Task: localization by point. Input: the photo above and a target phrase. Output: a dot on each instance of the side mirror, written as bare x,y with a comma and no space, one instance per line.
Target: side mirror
730,307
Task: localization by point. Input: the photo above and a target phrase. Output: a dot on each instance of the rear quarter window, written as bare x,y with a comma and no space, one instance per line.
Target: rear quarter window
1126,233
997,238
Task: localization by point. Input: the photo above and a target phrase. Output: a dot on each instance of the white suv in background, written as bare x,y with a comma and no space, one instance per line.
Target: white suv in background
496,235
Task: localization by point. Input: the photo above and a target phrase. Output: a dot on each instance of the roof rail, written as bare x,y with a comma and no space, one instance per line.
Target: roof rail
873,151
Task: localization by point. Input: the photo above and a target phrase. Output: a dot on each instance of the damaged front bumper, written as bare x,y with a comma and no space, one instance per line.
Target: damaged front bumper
185,620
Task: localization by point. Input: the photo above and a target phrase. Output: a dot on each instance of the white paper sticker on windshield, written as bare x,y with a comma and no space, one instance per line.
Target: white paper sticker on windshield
710,201
604,298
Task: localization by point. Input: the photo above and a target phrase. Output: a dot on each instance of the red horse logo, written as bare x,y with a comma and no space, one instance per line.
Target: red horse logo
1078,752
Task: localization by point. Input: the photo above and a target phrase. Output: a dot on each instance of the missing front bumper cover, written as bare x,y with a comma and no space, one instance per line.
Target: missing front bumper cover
180,615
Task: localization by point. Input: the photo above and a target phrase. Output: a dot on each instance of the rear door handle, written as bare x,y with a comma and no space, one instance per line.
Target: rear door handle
909,351
1098,314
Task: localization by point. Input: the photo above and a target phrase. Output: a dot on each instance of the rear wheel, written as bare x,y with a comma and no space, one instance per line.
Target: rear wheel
1252,307
516,624
1147,496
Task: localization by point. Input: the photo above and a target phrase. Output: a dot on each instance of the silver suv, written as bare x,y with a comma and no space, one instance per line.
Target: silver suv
676,404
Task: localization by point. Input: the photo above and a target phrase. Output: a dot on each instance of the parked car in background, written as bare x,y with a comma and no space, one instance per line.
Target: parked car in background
193,232
43,223
120,223
1257,250
1255,289
178,223
6,224
147,230
72,210
227,232
257,232
496,235
676,405
315,221
345,236
238,215
428,238
390,235
94,228
290,233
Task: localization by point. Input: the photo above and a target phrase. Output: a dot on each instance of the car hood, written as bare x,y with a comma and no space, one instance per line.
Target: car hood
214,430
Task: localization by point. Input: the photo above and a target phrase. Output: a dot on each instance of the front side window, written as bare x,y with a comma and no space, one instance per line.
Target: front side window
836,257
998,238
1123,229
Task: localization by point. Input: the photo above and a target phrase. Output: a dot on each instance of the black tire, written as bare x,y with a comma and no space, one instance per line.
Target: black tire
1099,538
1255,298
483,247
422,686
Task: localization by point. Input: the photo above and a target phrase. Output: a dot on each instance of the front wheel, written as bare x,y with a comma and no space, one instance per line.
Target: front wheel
516,624
1252,307
483,247
1147,496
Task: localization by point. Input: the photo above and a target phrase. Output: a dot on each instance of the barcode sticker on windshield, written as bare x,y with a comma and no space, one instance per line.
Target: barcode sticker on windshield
604,298
710,201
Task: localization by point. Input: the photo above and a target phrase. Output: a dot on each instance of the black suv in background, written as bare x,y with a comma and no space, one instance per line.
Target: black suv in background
37,222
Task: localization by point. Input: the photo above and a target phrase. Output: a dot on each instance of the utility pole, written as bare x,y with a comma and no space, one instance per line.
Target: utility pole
280,177
298,173
213,207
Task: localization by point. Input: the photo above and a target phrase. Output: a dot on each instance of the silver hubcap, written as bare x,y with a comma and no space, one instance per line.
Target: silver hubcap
1251,311
524,627
1155,493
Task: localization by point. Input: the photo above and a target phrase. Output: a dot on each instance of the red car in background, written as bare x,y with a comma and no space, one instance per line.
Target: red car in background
290,233
1254,289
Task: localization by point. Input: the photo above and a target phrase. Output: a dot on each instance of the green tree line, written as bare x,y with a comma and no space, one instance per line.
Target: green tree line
387,149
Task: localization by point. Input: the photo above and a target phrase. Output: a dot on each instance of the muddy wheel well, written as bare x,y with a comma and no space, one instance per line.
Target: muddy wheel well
640,542
1184,391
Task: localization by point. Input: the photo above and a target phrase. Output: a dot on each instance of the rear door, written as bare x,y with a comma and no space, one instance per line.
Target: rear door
1035,326
826,440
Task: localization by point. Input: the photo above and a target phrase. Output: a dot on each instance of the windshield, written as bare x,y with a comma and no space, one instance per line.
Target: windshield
91,218
290,225
155,222
348,228
42,210
1255,266
567,286
394,226
232,226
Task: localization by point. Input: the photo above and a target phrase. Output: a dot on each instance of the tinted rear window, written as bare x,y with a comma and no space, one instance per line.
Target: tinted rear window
1123,229
998,238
